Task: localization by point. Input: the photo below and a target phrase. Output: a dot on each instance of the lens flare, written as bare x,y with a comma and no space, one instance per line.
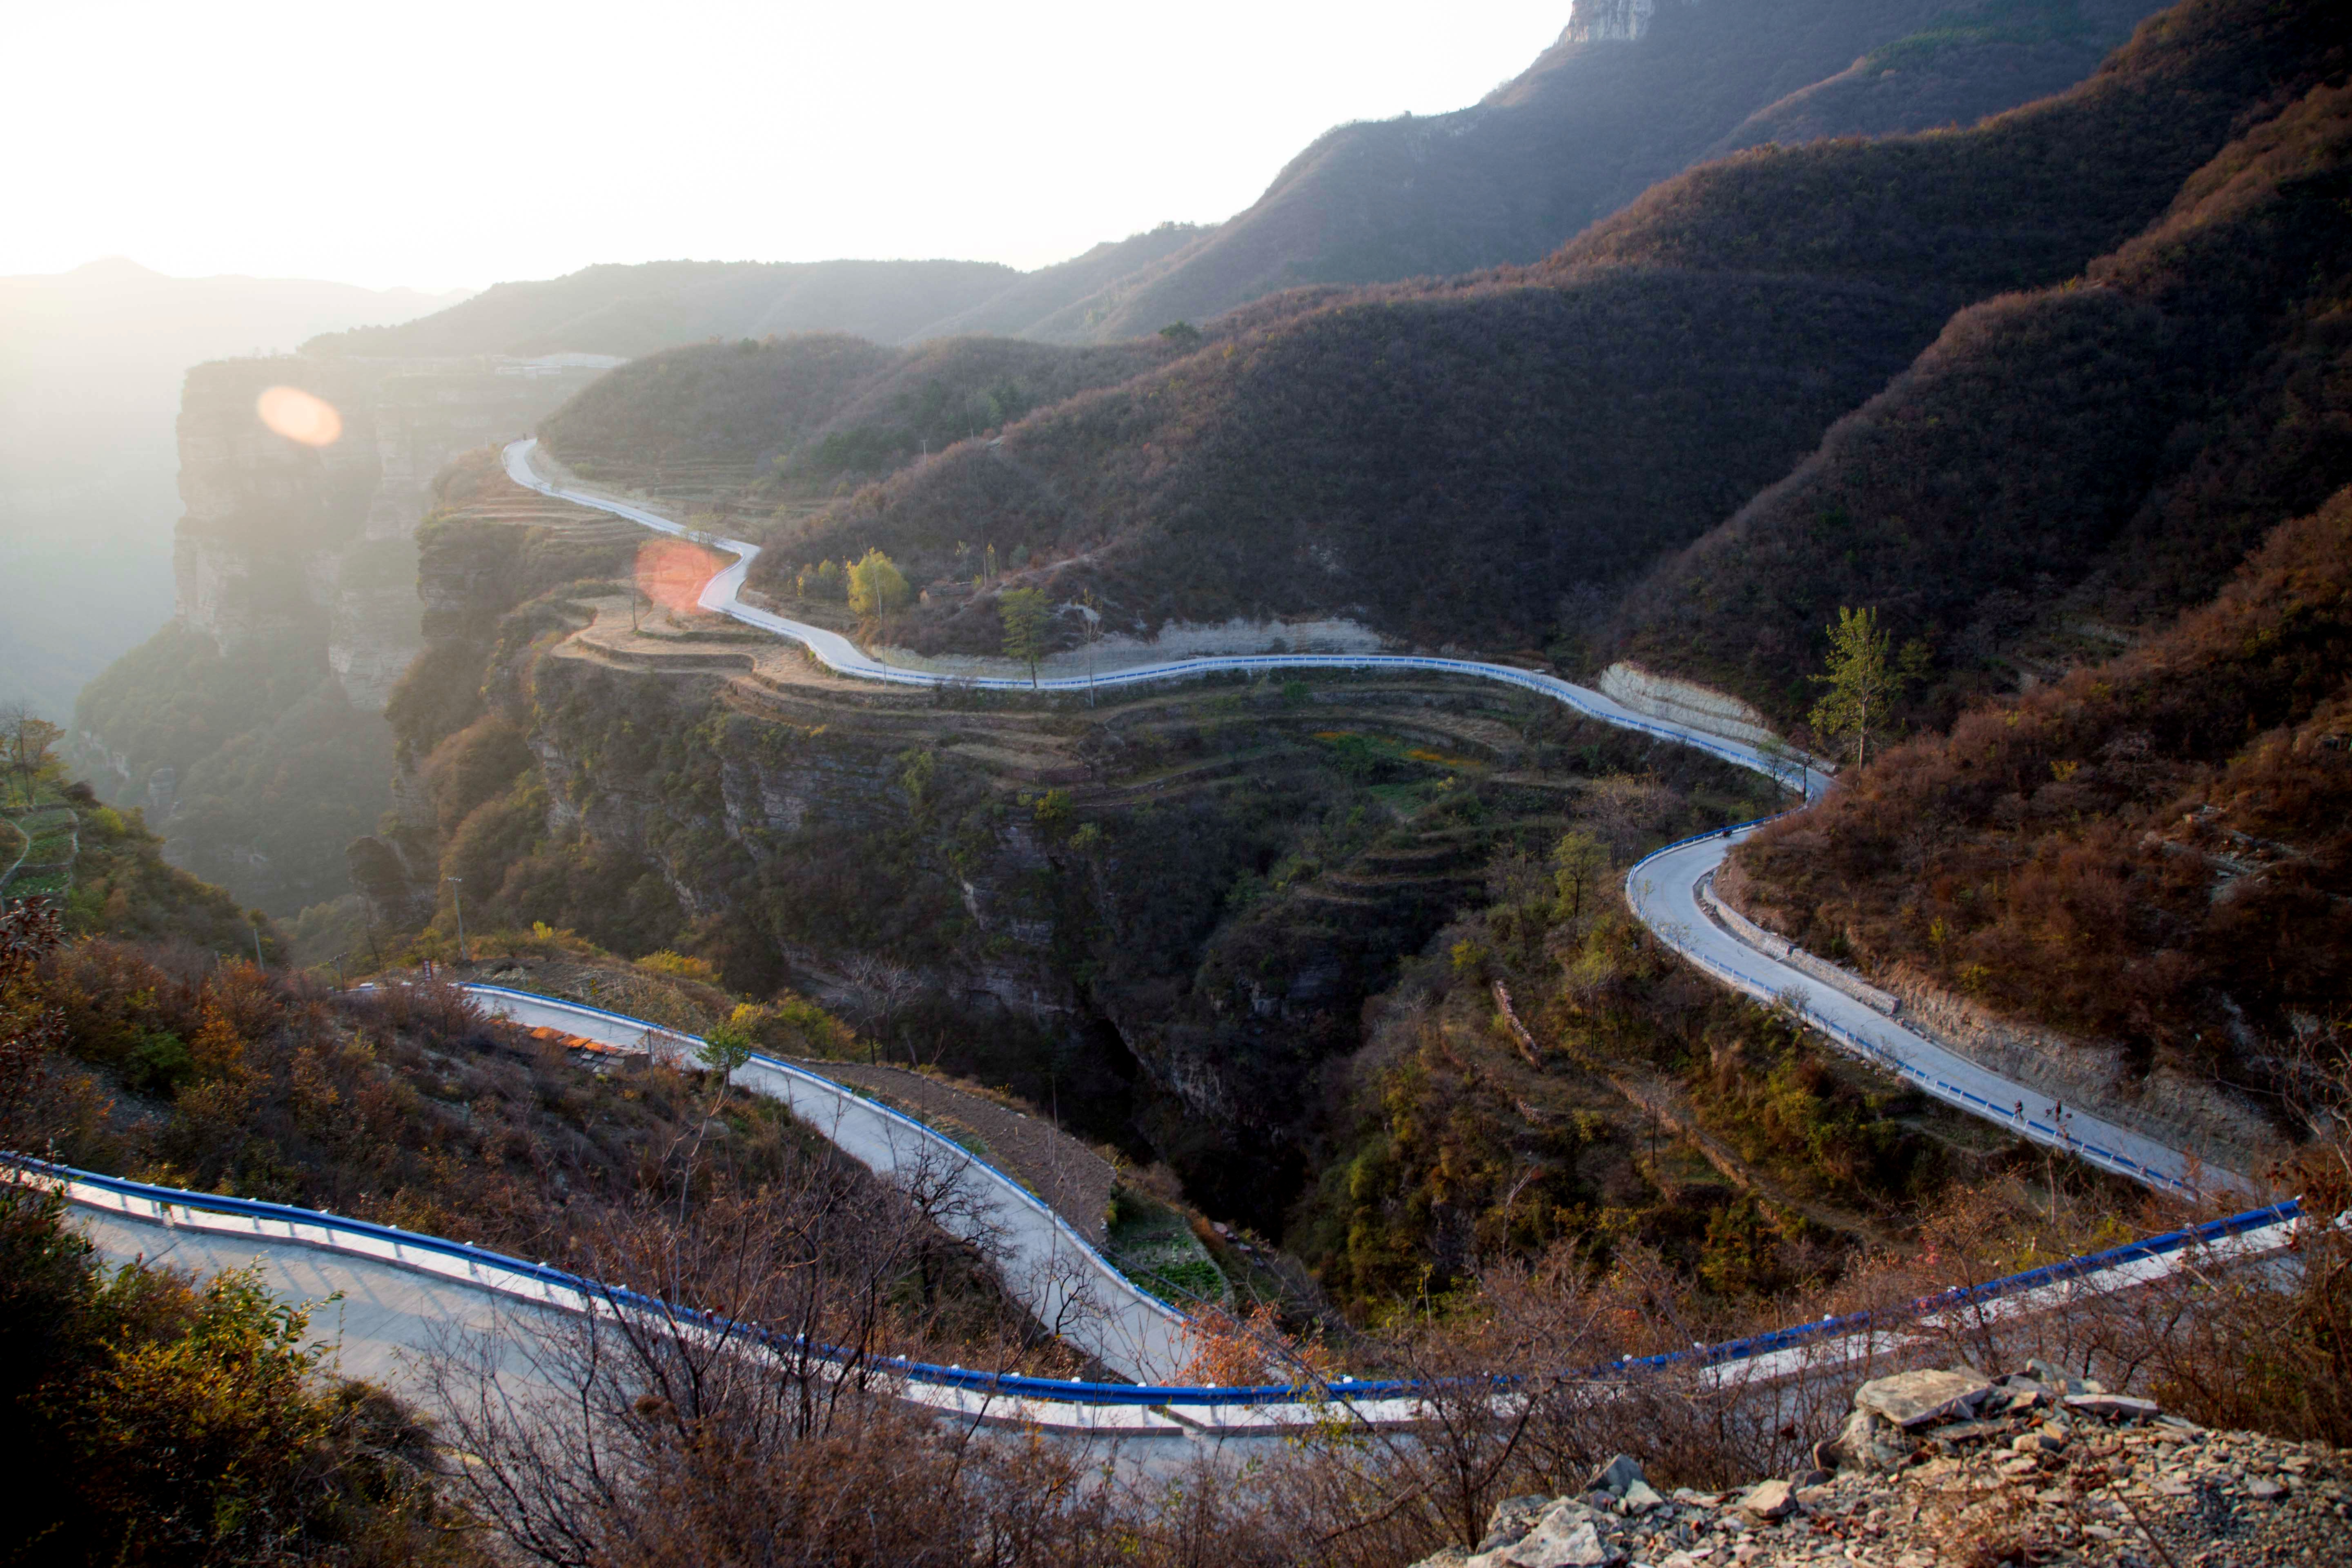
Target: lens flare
671,573
298,416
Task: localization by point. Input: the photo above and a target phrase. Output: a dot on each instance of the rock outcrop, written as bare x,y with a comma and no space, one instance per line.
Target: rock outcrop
1938,1467
1608,21
1685,702
282,537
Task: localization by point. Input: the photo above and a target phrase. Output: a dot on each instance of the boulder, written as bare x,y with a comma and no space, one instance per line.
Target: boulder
2115,1406
1868,1442
1615,1476
1915,1398
1640,1498
1769,1499
1568,1537
1511,1521
2058,1380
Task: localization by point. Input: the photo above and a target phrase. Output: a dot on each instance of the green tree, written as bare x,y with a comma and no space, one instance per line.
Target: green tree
25,741
1578,861
157,1420
728,1045
1025,615
1865,676
876,587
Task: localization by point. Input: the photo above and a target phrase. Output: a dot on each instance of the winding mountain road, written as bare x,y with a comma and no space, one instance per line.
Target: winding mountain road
1662,890
1066,1284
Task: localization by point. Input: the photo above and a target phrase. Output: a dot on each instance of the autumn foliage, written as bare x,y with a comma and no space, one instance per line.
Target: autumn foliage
2150,850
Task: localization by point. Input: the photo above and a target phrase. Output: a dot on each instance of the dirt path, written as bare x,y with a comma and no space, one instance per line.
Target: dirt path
1073,1179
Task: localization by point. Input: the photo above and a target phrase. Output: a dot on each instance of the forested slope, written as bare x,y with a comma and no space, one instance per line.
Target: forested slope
1624,99
2102,451
816,408
2153,850
1490,460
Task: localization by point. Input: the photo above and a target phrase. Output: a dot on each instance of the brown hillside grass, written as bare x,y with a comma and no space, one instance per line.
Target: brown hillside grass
2107,449
2153,850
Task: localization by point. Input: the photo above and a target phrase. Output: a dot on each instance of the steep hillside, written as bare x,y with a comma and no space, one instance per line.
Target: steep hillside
816,409
91,364
251,726
2098,454
1486,461
736,404
2023,199
1068,301
632,311
1630,95
253,761
2153,850
1426,462
1166,910
1961,66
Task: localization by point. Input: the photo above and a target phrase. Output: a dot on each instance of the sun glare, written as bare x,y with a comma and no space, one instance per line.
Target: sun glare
672,573
298,416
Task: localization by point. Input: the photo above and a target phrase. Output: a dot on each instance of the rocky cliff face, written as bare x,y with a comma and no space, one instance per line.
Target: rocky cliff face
1164,912
279,534
298,610
1599,21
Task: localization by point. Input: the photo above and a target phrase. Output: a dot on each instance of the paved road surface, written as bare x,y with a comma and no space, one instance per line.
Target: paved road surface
1664,892
1662,889
1066,1284
388,1318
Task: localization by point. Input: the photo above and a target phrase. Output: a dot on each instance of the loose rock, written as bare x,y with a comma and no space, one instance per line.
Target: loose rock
2085,1477
1914,1398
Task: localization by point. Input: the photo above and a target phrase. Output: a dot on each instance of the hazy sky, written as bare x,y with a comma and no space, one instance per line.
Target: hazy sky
434,145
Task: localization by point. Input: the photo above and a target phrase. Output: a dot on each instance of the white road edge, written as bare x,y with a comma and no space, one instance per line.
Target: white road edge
1662,889
1066,1284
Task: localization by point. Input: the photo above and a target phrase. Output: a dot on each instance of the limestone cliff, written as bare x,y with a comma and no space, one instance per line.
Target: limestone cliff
1604,21
1163,912
297,609
277,533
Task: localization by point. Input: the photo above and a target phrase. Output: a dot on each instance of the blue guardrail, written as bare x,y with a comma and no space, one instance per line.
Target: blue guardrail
1018,1386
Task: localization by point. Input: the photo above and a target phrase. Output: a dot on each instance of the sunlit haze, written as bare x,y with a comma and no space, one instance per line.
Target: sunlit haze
437,145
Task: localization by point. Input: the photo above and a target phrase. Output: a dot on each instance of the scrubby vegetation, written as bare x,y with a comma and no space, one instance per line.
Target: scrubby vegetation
1549,1076
2151,850
1427,462
103,873
812,413
1490,461
158,1418
262,748
1595,119
2062,463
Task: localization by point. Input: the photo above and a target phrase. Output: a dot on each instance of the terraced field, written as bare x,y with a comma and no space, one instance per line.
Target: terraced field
40,854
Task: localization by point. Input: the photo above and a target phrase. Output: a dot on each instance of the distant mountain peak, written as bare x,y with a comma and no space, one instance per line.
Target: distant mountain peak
114,267
1621,21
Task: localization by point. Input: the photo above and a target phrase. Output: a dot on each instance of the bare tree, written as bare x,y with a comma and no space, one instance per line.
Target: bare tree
880,990
769,1427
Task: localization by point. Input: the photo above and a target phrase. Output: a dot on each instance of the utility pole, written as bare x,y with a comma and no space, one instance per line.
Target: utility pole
456,898
257,944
